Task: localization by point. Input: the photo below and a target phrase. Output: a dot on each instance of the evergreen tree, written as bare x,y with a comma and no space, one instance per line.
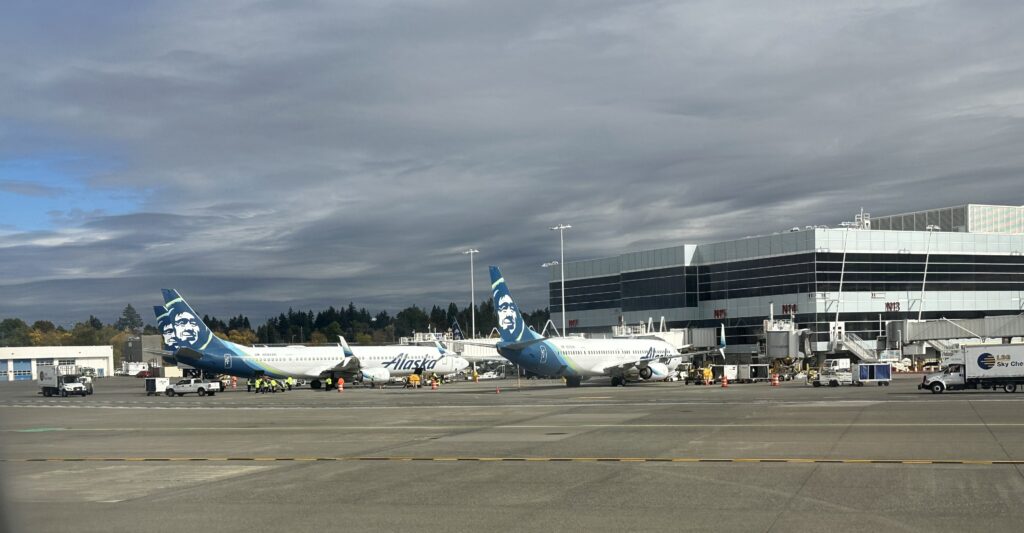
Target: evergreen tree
130,320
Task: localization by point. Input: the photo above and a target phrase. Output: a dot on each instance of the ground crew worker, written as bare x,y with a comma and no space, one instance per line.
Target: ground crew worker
248,385
328,387
259,384
289,382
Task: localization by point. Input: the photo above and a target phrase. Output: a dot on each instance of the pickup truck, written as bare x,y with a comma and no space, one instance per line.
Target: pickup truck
201,387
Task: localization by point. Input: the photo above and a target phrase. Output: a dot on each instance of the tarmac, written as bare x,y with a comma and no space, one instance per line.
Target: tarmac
538,457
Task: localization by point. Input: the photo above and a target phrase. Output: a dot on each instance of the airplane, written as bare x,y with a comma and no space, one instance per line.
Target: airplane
576,359
188,340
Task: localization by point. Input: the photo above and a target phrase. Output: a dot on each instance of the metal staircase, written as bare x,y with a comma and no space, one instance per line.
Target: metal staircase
852,343
942,347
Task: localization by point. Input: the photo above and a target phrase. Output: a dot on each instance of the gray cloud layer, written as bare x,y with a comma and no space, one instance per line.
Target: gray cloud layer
313,153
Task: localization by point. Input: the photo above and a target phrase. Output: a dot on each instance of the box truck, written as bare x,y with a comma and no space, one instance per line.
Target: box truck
988,366
60,381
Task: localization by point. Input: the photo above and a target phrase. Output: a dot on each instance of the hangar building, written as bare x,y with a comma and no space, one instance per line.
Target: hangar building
22,363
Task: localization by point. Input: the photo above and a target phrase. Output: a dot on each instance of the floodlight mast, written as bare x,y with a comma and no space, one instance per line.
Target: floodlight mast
561,245
472,291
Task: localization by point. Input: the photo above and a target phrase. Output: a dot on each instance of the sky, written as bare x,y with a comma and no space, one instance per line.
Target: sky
261,155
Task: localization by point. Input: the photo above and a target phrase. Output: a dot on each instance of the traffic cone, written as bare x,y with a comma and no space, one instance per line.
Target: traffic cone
497,390
341,385
433,384
775,380
725,381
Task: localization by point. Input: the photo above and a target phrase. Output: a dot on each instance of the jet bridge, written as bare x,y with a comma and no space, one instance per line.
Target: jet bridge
903,332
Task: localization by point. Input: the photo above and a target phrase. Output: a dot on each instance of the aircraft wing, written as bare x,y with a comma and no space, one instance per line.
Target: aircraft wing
520,345
617,368
166,356
347,368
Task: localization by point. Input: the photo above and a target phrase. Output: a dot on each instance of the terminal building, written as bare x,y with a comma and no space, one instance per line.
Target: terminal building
963,262
22,363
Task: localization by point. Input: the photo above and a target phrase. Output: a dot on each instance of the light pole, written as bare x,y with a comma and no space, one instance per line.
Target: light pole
472,291
561,246
924,279
550,264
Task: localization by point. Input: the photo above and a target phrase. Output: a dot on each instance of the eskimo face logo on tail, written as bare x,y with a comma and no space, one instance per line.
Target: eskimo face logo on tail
186,327
167,330
508,314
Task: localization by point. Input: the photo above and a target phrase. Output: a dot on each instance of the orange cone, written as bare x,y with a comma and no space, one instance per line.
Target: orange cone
497,390
433,384
775,380
725,381
341,385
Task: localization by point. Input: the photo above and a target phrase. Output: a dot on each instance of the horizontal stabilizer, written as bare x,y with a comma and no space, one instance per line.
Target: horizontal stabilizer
517,345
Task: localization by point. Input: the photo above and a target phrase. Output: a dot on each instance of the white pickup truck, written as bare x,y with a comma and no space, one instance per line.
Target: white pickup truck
201,387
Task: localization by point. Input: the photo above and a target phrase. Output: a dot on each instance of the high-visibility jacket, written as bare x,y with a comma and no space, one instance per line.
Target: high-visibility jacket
328,382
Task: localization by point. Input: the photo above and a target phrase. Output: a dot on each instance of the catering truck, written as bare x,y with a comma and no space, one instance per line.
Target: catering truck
60,381
986,366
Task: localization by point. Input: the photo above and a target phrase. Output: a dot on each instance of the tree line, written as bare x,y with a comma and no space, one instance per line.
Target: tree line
358,326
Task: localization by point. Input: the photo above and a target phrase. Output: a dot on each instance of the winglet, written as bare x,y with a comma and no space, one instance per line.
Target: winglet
344,346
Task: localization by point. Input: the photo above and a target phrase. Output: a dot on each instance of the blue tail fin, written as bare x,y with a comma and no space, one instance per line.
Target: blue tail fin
511,325
187,329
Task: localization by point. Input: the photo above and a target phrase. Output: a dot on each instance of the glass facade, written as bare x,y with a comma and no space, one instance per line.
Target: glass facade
666,288
814,273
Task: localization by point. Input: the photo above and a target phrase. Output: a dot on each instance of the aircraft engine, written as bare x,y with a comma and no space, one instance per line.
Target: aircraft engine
654,371
375,376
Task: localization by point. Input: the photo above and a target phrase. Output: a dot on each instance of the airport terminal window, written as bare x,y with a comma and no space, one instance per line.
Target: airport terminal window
674,287
759,277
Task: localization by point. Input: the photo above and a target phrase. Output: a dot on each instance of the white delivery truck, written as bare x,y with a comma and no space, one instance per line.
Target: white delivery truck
834,372
60,381
984,366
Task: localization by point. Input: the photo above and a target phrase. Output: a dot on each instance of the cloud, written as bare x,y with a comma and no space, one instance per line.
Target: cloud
27,188
310,153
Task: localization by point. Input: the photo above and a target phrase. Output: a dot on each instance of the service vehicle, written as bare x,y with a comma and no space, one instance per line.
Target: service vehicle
60,381
834,372
157,386
880,373
728,371
983,366
86,380
753,373
201,387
